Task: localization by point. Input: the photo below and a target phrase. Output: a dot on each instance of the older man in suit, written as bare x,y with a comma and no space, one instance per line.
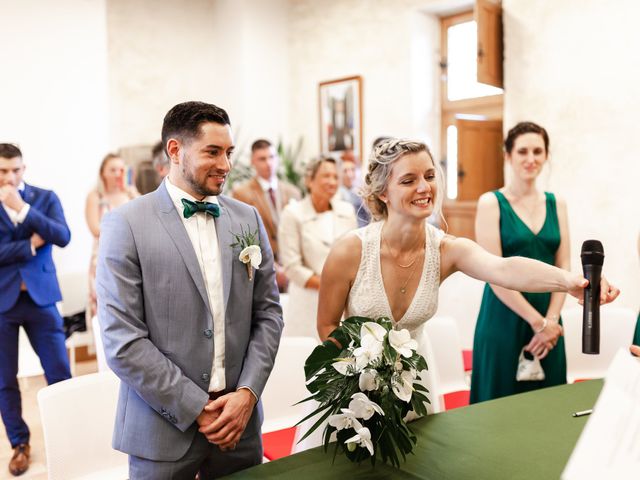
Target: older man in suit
269,195
31,222
189,327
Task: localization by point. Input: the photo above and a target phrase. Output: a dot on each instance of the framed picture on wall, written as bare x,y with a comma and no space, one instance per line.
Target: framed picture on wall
341,117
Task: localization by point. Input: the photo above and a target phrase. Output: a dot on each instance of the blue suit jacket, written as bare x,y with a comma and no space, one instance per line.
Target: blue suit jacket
17,264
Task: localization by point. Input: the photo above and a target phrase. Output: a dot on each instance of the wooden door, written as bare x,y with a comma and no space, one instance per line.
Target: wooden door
480,158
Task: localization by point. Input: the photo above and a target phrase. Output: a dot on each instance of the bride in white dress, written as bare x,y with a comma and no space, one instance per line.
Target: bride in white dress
393,267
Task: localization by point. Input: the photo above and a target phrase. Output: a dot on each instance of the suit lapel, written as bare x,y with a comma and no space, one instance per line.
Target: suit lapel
28,195
175,228
223,231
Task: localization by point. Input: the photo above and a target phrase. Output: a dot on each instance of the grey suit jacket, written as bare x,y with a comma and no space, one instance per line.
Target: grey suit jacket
157,327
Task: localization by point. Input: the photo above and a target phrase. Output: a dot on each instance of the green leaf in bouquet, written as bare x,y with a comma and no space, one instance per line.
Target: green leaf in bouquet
321,356
320,421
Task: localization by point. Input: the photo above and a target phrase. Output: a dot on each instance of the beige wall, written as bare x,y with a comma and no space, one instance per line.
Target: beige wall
229,52
391,44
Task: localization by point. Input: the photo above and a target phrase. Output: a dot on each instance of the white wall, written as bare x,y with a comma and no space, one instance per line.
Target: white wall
54,103
572,67
228,52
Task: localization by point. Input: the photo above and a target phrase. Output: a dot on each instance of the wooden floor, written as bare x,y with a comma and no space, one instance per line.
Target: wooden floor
31,415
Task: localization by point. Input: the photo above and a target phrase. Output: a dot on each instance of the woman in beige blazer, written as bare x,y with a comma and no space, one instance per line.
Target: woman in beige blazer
307,230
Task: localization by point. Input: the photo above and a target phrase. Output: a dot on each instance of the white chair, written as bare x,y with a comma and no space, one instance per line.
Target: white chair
445,378
77,422
75,292
616,331
285,387
99,347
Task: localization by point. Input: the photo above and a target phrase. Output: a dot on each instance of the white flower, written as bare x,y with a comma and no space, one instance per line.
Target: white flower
362,407
346,419
251,254
368,380
345,366
371,337
402,342
362,438
374,330
402,385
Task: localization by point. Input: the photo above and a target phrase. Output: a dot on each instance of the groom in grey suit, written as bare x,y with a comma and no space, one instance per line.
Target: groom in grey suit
191,330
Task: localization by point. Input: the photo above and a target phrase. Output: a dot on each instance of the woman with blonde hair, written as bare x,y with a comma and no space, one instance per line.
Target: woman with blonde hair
110,192
394,266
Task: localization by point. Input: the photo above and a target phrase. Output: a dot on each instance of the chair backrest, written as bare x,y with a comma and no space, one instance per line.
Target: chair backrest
616,331
28,362
77,421
286,384
97,338
440,345
75,292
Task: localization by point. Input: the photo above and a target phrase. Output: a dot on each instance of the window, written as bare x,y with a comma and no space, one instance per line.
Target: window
462,96
462,65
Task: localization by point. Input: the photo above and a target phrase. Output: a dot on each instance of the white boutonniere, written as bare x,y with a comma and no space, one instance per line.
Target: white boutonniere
251,254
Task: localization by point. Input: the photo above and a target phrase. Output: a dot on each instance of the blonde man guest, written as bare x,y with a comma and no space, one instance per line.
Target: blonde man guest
269,195
110,192
307,231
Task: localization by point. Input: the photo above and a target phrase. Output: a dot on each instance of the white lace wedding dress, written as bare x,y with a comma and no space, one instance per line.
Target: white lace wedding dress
368,298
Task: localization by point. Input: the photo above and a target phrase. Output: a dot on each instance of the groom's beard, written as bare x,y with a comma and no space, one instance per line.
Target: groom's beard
200,186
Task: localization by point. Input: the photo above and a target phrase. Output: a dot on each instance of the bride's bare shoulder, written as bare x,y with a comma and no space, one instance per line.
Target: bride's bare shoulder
345,253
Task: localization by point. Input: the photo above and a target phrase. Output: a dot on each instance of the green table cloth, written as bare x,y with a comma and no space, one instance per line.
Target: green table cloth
526,436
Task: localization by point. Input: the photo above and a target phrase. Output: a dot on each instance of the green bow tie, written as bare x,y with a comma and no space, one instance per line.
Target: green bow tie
191,208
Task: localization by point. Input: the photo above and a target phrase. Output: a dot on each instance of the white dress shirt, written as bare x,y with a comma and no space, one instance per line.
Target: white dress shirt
201,229
17,217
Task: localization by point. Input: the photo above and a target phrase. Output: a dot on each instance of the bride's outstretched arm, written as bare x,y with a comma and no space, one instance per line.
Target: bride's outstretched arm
515,273
338,274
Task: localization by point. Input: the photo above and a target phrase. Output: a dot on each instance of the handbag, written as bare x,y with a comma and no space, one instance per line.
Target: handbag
529,369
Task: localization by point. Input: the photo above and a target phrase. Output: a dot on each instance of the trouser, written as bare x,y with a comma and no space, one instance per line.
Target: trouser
43,326
202,457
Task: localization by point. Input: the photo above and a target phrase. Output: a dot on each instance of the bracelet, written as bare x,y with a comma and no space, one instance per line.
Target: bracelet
544,325
554,318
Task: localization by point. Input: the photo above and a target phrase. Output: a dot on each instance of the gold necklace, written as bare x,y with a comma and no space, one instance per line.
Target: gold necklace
403,288
395,260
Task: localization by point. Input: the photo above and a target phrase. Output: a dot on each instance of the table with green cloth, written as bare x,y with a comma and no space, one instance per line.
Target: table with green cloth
525,436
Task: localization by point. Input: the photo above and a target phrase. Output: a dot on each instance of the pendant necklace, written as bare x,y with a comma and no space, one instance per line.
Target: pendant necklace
403,288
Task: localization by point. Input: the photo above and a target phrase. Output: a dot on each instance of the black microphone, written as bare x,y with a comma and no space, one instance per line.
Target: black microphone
592,256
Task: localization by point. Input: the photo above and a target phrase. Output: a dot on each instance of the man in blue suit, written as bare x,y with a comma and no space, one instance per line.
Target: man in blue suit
31,222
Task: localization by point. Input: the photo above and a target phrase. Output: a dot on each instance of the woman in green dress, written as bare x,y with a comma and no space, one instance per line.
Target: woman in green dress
520,220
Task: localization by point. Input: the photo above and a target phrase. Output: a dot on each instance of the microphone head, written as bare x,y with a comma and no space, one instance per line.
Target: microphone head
592,252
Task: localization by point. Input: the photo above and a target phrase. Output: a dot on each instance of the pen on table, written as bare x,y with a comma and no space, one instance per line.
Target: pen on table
582,413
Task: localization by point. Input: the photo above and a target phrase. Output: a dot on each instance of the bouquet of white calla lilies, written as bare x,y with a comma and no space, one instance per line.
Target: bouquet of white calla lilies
366,388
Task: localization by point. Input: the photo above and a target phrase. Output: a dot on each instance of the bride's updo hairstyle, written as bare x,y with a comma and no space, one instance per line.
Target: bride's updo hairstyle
381,162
